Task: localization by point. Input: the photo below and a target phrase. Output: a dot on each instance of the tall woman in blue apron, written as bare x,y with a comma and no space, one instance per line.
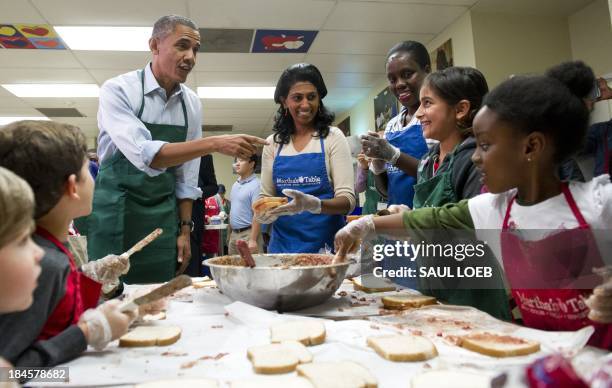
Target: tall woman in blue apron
307,161
407,65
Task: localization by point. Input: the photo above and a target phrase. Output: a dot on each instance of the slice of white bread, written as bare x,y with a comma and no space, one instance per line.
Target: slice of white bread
370,283
308,332
343,374
182,383
403,347
406,301
282,357
497,345
272,382
150,336
450,379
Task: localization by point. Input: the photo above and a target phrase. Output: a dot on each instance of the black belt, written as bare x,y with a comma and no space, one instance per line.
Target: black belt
240,230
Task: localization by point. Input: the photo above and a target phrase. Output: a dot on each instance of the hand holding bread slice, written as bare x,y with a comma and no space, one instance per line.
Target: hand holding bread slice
268,203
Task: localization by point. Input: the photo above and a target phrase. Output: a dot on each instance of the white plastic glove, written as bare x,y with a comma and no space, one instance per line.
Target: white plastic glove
107,270
348,238
600,302
378,166
394,209
106,323
301,203
379,148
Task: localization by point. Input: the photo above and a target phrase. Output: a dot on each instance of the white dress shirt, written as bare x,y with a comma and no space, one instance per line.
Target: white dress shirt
121,130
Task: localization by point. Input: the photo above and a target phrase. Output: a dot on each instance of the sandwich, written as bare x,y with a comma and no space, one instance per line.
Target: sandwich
268,203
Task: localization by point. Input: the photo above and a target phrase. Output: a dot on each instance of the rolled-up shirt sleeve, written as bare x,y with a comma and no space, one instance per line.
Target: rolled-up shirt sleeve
127,132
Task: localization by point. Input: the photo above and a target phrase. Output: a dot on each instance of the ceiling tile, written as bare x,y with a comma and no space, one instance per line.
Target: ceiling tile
431,2
32,59
225,40
529,7
246,62
108,12
348,63
392,17
353,42
237,78
270,14
19,12
21,75
113,60
355,80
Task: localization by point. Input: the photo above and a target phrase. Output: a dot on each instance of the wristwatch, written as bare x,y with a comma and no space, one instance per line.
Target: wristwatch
186,223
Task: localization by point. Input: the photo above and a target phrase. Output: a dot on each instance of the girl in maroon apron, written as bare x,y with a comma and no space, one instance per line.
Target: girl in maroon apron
81,294
527,126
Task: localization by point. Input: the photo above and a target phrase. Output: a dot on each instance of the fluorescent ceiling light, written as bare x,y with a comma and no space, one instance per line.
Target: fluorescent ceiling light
242,92
105,38
53,90
8,120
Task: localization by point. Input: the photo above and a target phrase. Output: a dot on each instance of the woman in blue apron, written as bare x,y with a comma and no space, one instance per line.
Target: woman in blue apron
308,161
407,65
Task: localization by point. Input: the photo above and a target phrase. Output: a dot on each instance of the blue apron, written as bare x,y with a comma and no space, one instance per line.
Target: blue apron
409,140
304,232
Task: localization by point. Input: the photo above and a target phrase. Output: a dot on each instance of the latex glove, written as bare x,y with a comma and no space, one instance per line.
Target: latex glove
301,203
378,166
107,270
379,148
364,161
106,323
394,209
265,217
600,302
348,238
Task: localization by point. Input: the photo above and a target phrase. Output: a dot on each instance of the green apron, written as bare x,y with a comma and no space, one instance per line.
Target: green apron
437,191
128,204
371,196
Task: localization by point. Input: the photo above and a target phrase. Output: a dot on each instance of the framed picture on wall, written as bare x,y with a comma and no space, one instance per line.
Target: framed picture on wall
345,126
442,57
385,107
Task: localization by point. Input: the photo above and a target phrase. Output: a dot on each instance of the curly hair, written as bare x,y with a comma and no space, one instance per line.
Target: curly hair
284,126
552,104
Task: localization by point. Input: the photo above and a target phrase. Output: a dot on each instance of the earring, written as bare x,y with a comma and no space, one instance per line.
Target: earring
529,159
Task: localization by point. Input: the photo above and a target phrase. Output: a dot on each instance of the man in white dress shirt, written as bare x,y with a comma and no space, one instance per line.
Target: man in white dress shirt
150,145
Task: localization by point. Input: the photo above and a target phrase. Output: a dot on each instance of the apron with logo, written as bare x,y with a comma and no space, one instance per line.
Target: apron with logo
304,232
409,140
128,204
81,293
562,263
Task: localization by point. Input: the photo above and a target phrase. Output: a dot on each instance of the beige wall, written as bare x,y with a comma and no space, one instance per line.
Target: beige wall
462,37
591,41
362,114
508,44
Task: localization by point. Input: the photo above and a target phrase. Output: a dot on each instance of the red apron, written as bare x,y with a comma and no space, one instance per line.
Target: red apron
81,294
551,278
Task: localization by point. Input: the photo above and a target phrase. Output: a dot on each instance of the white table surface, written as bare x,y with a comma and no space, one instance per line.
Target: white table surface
211,325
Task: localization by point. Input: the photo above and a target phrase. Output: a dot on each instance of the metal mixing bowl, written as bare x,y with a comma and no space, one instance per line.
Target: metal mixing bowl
274,286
